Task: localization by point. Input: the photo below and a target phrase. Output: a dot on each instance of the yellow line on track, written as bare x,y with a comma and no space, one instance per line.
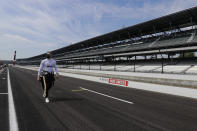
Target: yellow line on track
77,90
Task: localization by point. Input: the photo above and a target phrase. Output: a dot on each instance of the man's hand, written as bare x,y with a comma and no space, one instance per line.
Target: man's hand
38,78
57,76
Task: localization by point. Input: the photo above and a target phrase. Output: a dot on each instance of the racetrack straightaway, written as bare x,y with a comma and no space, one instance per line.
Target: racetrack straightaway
81,109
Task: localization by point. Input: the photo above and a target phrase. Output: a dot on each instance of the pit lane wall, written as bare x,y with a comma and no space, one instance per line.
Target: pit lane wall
163,81
121,78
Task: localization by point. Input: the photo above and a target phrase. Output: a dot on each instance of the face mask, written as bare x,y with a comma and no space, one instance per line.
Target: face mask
48,56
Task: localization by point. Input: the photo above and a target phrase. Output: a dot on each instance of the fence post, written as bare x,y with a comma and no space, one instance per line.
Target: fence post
134,65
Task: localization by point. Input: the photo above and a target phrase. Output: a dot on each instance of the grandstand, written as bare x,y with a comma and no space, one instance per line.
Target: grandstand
160,45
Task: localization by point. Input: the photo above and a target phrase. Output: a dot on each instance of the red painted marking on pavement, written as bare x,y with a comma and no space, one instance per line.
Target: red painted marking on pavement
118,82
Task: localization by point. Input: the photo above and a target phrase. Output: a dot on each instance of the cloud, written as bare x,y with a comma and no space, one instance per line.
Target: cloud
24,46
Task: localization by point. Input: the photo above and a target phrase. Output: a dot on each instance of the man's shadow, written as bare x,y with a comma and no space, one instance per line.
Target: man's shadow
61,99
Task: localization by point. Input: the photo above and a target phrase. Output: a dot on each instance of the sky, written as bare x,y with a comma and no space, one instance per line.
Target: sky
32,27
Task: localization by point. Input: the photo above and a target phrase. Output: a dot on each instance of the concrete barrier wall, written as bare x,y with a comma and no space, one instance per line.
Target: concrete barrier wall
162,81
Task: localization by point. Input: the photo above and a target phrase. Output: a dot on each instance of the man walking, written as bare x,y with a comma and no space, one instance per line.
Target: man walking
46,74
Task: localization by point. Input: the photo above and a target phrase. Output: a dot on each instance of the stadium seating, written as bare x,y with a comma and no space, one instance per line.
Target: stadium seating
156,42
153,43
195,38
171,42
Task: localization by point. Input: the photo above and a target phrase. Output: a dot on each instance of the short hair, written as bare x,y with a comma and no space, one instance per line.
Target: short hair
48,52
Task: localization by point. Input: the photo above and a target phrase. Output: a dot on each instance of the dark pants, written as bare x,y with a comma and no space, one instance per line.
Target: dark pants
49,80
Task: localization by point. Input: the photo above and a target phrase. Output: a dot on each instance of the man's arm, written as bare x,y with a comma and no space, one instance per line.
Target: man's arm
40,70
56,70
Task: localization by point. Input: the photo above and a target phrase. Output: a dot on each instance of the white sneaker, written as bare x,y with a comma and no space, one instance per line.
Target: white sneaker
47,100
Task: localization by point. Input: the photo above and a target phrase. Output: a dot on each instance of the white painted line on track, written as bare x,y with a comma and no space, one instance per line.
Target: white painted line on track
107,96
12,113
3,93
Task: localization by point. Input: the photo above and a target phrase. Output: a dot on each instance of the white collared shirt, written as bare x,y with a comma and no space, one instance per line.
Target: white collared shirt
48,65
